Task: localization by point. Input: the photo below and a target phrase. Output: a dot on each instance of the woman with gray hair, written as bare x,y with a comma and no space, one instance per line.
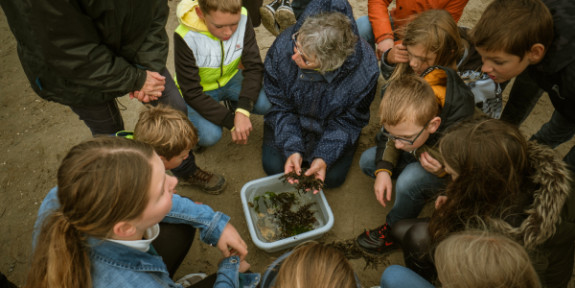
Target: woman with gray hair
321,79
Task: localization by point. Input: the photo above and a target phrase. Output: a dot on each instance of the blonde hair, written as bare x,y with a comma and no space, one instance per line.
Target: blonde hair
481,259
408,98
100,182
315,265
225,6
438,33
513,26
168,130
329,37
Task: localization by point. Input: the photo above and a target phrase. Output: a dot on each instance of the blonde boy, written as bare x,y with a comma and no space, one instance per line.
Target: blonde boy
411,117
173,136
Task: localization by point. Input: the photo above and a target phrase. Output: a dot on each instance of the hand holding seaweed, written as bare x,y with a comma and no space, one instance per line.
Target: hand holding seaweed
303,183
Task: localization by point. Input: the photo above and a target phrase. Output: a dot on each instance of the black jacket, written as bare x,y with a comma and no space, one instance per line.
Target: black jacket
88,52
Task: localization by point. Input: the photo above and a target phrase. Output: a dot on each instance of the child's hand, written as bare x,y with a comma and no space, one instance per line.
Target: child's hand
293,163
431,165
440,201
383,187
231,243
398,54
244,266
242,129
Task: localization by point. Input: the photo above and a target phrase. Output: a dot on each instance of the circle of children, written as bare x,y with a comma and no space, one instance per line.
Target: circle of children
504,210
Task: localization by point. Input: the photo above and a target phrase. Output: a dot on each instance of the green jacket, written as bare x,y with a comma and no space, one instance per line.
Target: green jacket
88,52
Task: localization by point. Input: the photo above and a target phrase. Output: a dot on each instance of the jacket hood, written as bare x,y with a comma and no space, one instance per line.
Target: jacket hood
553,179
187,16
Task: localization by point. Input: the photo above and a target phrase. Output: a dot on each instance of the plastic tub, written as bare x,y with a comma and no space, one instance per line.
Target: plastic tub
258,187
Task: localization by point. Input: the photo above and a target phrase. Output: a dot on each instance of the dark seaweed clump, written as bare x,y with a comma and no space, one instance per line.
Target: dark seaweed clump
303,183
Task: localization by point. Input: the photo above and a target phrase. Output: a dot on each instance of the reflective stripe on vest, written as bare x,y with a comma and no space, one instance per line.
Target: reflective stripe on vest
217,60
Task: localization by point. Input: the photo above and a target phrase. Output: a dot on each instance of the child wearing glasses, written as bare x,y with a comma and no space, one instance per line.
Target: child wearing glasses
217,59
412,119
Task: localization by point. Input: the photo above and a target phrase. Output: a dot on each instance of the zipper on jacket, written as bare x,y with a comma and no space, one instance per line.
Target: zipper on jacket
221,63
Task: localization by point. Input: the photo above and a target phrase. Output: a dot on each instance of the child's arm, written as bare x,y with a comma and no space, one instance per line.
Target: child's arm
385,160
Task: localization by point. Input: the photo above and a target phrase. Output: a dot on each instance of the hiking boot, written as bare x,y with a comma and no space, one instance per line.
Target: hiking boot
268,15
284,15
376,241
209,182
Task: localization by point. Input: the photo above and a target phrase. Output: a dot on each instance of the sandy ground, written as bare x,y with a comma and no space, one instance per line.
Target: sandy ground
36,134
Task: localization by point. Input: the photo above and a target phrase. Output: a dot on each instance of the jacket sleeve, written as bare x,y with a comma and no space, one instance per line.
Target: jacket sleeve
73,47
253,70
386,155
379,19
210,223
188,77
153,52
282,117
454,7
343,130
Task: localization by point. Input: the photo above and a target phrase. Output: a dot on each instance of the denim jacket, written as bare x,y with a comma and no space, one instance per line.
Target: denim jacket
116,265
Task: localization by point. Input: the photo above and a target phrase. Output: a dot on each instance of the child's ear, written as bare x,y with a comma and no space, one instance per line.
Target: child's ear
199,12
536,53
124,230
434,124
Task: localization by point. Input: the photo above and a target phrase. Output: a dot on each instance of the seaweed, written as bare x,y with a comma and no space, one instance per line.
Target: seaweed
303,183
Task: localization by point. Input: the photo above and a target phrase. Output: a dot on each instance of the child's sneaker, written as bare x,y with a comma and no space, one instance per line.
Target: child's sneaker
210,183
284,15
376,241
191,279
268,15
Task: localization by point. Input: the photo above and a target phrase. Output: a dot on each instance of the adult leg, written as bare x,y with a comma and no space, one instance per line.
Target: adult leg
396,276
365,30
253,7
273,160
102,119
299,6
523,97
336,174
553,133
414,186
173,244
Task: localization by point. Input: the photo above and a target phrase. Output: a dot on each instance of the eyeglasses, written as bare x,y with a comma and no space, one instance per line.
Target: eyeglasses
295,44
406,141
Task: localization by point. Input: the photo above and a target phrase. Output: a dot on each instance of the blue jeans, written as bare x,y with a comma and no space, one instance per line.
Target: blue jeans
413,188
365,30
210,133
105,118
555,132
396,276
274,161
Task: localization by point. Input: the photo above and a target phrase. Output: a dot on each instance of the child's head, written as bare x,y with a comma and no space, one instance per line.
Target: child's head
483,260
488,162
105,187
324,42
511,35
169,131
221,16
409,112
432,38
316,265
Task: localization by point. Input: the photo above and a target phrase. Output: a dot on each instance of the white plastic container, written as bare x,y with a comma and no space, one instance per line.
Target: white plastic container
258,187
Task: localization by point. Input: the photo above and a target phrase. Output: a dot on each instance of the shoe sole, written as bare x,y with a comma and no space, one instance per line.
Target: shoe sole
268,20
285,18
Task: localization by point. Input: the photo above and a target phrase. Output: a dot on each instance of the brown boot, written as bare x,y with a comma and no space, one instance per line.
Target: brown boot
210,183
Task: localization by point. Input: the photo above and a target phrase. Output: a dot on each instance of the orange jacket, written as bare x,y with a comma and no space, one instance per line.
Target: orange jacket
404,9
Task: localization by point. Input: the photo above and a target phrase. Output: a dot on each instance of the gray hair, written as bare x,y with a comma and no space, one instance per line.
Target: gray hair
329,37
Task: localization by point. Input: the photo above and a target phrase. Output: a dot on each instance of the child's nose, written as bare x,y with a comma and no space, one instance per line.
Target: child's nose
486,68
